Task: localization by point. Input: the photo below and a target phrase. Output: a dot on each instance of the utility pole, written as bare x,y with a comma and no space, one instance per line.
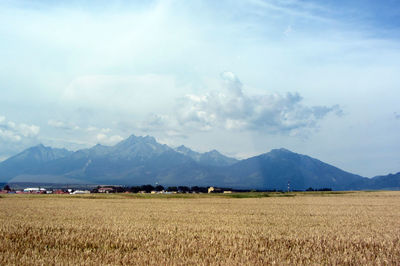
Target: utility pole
288,186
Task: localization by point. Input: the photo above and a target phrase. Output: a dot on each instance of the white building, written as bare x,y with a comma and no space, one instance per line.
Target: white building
34,190
81,192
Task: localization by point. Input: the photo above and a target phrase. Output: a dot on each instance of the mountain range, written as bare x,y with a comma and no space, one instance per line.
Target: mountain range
141,160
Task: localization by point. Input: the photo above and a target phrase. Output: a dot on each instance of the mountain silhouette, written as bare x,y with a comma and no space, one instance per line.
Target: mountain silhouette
142,160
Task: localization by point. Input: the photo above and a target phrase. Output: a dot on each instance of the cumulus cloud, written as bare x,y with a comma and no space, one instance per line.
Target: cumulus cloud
155,122
165,123
102,130
12,131
93,134
16,136
62,125
231,109
108,140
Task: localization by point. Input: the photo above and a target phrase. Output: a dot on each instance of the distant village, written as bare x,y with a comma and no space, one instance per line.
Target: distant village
158,189
143,189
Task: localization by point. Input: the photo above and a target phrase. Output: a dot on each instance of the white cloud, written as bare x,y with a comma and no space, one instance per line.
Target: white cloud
230,108
8,135
101,137
121,92
62,125
12,131
15,136
108,140
91,128
11,124
56,123
102,130
28,130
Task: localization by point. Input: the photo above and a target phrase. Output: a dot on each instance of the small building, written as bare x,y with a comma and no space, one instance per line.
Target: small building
34,190
214,190
227,191
81,192
106,190
59,191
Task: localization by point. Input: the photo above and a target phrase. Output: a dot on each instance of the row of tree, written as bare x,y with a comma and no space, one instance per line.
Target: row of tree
182,189
149,188
318,189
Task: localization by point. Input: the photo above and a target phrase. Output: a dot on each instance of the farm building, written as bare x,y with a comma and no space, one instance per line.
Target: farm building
214,190
34,190
81,192
106,190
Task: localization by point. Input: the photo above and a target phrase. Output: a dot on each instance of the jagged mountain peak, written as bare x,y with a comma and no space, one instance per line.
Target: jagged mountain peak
281,151
187,151
42,149
139,147
215,158
211,158
134,138
141,159
213,152
30,158
99,150
182,148
40,145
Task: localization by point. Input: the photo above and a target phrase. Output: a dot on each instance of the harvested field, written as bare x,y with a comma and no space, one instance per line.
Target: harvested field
349,228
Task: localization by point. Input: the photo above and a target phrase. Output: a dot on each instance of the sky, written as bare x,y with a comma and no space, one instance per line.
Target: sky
316,77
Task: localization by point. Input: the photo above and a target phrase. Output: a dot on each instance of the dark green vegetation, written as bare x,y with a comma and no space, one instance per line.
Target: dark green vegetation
142,160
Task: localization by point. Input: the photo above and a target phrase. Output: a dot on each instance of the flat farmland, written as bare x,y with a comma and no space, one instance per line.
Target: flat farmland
306,228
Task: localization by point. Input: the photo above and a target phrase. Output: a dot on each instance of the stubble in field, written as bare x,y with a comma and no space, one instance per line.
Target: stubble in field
358,228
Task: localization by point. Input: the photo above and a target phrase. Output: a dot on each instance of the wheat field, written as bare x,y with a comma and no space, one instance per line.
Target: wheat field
352,228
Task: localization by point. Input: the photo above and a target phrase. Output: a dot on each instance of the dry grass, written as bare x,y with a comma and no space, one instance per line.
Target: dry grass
356,228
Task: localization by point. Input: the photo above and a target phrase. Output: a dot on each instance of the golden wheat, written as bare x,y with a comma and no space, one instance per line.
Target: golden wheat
357,228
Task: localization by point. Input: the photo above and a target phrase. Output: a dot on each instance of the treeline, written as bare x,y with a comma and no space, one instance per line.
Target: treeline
318,189
158,188
194,189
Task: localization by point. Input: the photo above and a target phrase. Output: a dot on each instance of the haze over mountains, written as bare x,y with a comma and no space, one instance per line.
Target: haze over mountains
142,160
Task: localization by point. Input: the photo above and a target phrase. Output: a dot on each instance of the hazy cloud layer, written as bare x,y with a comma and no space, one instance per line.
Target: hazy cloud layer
125,93
91,133
63,74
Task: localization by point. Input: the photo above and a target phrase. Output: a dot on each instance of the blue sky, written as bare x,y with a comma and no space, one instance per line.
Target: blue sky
318,78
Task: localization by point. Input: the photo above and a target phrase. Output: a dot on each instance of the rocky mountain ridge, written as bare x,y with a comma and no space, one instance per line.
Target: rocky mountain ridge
142,160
